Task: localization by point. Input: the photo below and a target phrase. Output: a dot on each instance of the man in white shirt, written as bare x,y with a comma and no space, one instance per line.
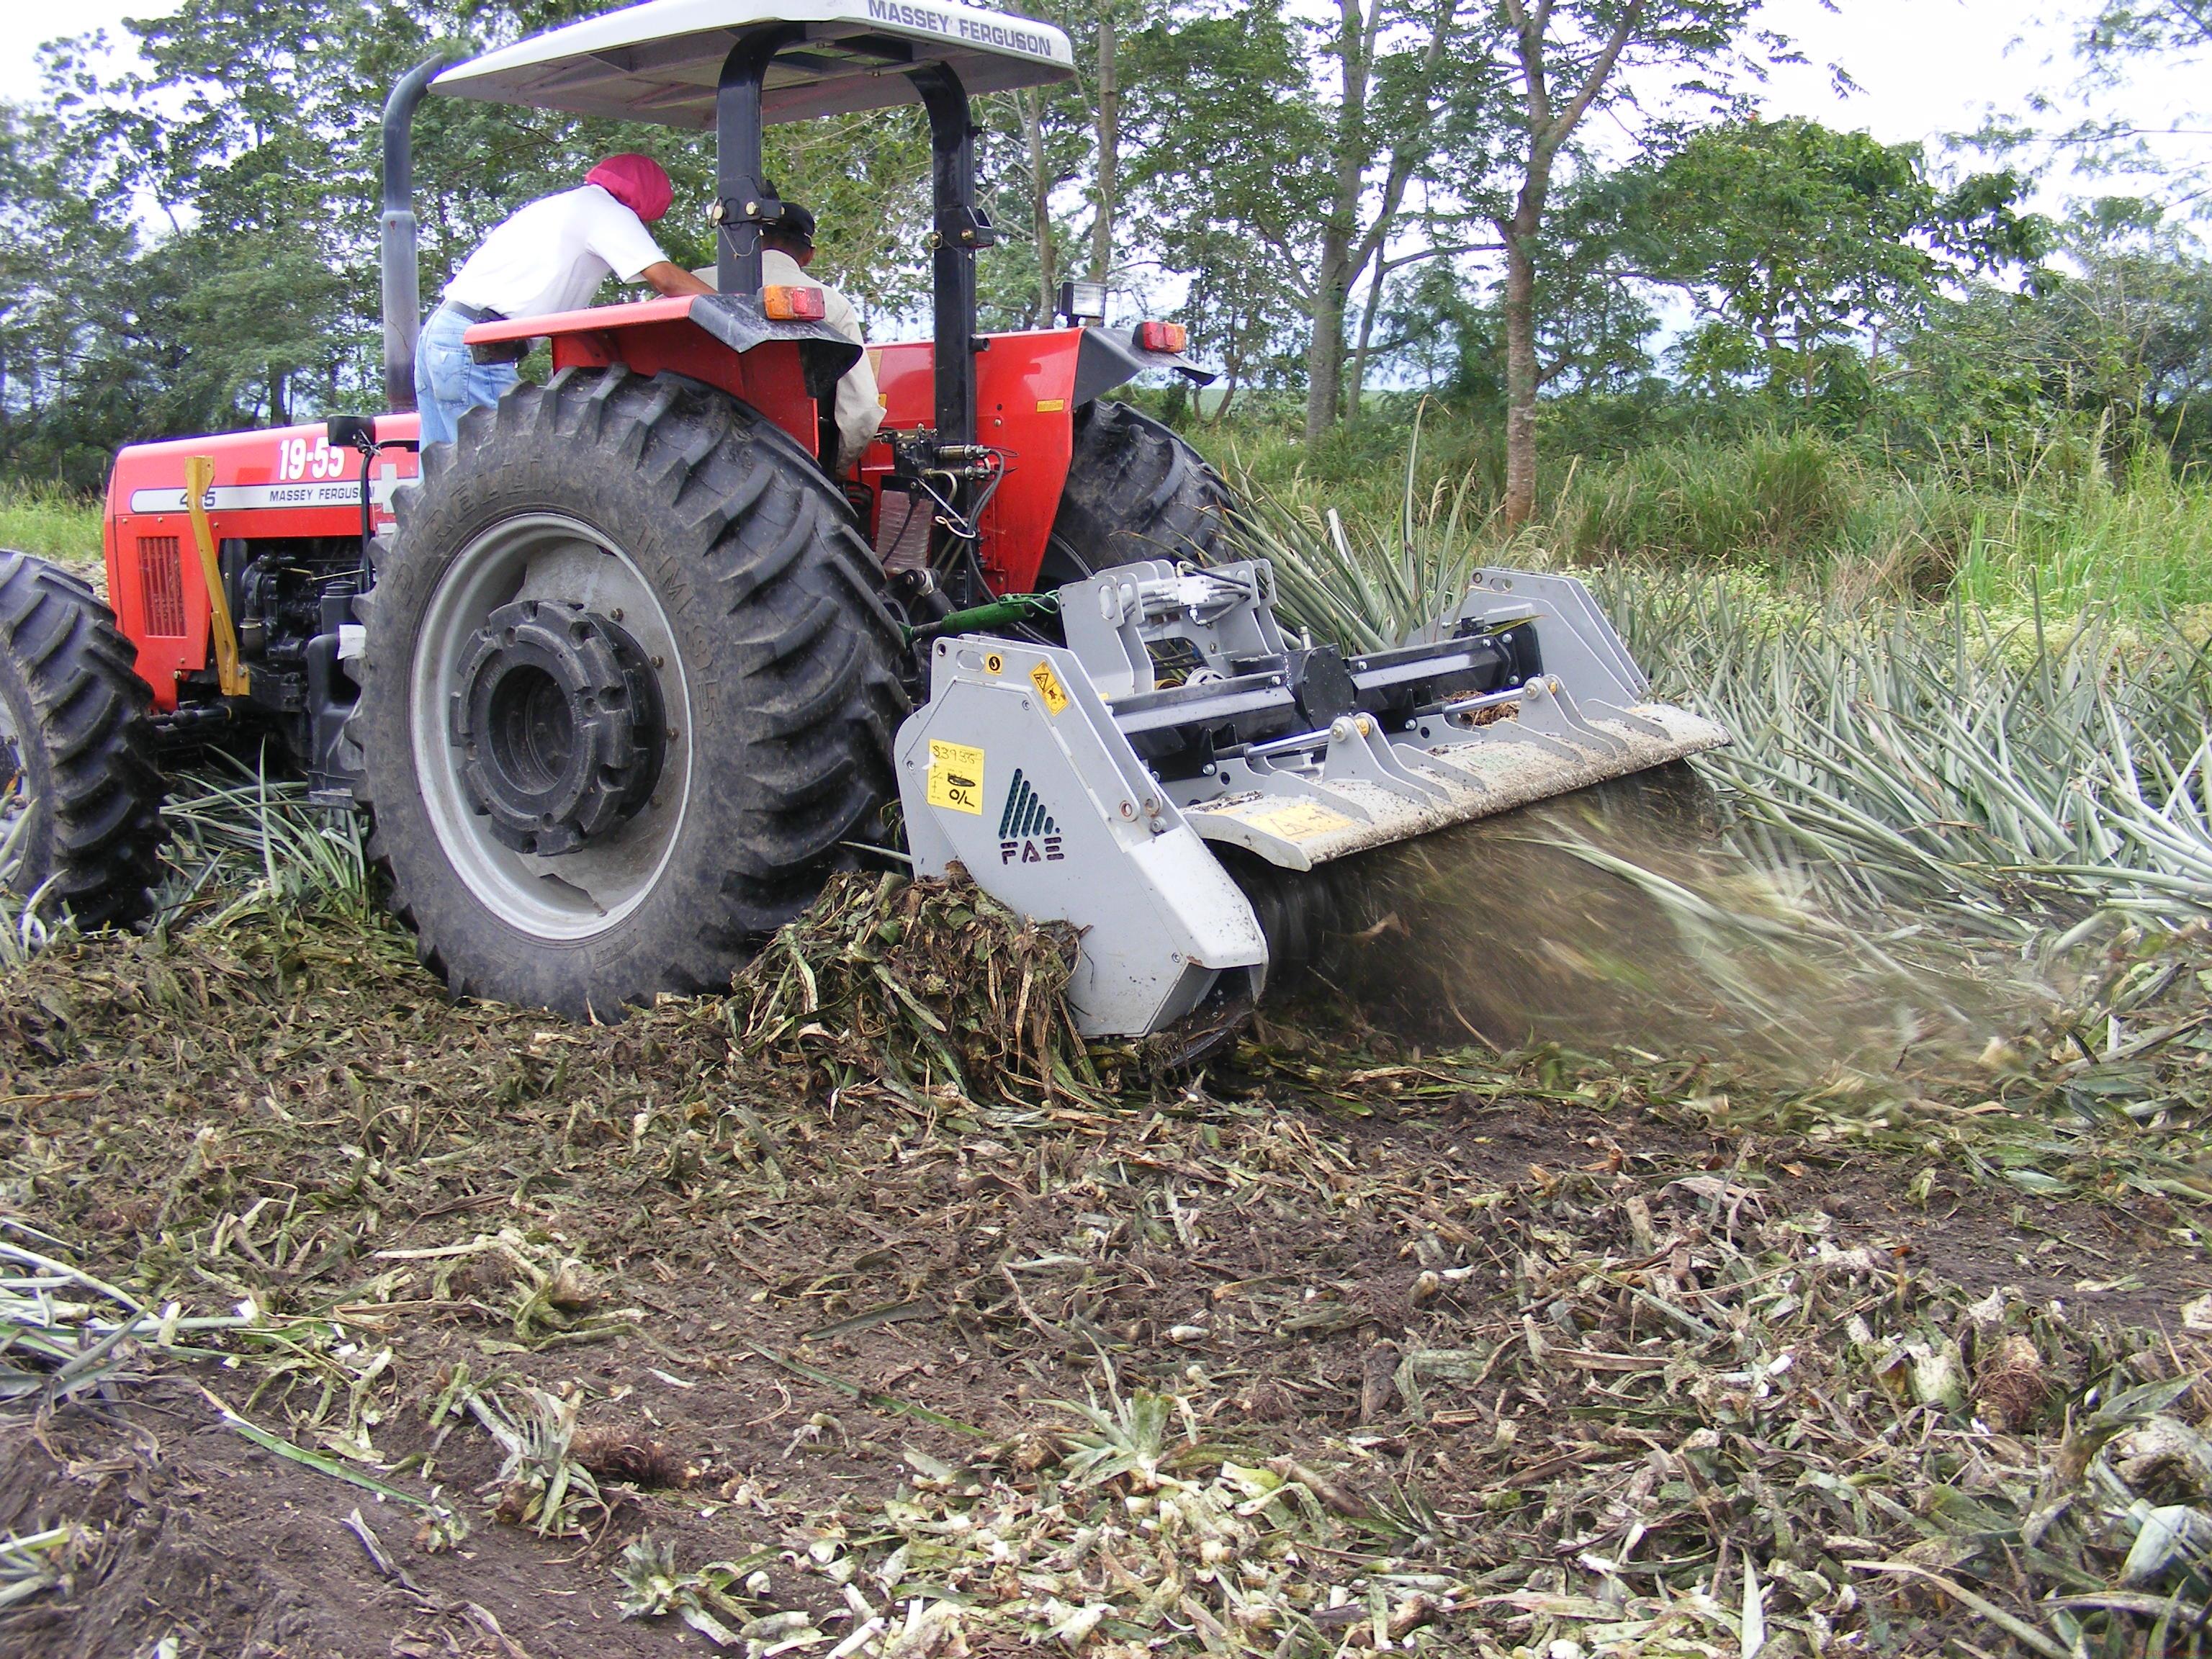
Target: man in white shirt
786,249
548,256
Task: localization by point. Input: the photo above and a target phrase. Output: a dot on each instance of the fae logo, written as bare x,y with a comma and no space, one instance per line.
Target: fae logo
1027,833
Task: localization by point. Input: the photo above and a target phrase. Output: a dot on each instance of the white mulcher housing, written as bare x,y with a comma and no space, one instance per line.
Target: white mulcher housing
1028,764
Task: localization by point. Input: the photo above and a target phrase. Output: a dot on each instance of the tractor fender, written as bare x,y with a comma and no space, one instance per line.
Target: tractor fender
781,369
737,321
1111,357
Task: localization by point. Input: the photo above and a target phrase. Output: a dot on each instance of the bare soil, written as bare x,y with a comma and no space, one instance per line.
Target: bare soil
278,1116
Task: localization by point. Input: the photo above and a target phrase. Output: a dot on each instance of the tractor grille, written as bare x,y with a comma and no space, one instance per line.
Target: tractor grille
162,586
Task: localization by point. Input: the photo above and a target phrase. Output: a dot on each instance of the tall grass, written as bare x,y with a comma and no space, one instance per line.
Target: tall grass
1937,760
2061,523
1782,501
1367,580
2035,742
49,521
241,842
2005,774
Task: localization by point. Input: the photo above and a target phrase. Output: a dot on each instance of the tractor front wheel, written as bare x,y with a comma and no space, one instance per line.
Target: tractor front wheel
629,686
80,794
1135,490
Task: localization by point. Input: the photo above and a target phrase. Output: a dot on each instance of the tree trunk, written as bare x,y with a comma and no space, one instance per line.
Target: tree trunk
1359,351
1344,252
1228,396
1109,149
1032,103
1548,128
1325,347
1334,274
1519,379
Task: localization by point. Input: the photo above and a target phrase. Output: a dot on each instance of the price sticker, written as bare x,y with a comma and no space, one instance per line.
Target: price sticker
956,777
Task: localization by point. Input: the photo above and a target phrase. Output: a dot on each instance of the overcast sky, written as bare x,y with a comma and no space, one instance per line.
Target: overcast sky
1927,67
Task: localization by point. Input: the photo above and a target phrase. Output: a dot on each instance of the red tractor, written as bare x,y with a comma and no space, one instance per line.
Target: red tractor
621,675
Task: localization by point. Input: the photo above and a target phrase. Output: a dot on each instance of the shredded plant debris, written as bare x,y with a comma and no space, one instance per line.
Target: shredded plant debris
919,986
1325,1349
866,1312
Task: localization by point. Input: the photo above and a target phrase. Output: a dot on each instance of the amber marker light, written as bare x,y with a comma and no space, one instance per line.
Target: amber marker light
794,304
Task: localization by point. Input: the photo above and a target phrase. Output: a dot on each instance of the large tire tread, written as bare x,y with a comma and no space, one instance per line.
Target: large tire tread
805,635
1135,490
89,747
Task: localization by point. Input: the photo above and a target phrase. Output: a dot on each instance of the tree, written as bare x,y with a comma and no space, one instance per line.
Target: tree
252,130
1797,242
1238,304
2122,342
1308,139
2148,26
2107,137
1569,58
73,371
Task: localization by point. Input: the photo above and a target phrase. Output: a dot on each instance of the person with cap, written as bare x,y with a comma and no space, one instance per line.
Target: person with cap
786,249
548,256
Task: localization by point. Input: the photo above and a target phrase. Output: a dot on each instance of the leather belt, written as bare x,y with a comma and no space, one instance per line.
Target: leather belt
471,313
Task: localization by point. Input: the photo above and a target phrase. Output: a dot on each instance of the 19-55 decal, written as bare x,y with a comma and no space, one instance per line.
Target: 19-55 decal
309,473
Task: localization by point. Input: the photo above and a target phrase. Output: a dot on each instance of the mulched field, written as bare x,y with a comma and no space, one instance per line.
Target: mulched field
654,1343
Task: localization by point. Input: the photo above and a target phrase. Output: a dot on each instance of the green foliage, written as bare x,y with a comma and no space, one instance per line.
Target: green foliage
1225,99
2122,27
1794,239
74,365
192,248
1772,499
2123,337
49,521
2066,521
252,130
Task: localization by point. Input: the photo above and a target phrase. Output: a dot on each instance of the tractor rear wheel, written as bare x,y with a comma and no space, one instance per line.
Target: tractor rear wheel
1135,491
629,684
80,794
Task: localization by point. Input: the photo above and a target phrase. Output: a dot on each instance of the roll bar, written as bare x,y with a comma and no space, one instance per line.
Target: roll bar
742,206
403,284
959,231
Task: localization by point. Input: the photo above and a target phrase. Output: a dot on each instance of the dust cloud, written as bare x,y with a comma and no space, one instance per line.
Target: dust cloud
1624,921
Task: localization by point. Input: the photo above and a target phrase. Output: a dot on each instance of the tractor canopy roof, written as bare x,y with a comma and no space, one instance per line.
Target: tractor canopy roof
659,62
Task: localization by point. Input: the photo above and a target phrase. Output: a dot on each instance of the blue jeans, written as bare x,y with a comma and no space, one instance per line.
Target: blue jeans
447,382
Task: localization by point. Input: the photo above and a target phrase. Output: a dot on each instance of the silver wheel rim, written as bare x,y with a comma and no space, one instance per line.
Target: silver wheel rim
574,895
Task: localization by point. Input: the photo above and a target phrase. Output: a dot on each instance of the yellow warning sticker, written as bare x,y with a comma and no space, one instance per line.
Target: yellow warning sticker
1051,405
1048,688
995,664
956,777
1299,821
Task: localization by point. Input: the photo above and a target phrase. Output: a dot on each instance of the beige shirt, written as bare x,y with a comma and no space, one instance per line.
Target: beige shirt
858,410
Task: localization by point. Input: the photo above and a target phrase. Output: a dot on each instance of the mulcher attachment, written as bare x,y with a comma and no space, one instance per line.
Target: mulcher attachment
1071,783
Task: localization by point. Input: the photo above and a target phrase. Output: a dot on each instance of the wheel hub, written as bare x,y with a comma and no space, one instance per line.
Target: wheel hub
557,714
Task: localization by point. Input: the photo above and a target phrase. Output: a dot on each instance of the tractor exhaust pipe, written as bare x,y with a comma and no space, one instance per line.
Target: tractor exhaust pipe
403,287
